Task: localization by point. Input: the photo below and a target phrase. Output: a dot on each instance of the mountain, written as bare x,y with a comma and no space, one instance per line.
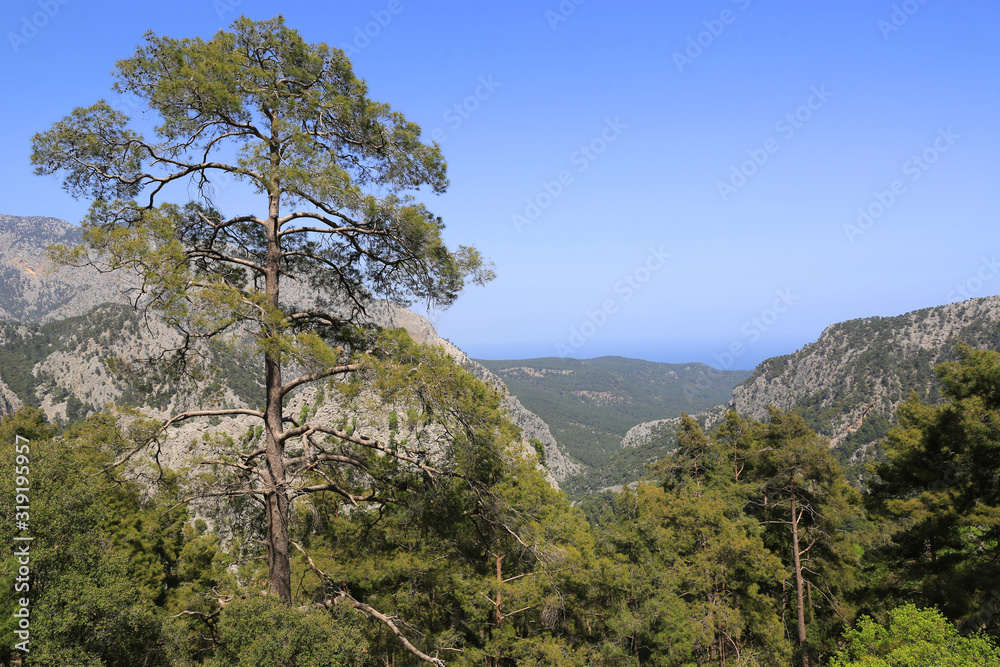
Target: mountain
846,385
60,325
849,382
31,289
591,404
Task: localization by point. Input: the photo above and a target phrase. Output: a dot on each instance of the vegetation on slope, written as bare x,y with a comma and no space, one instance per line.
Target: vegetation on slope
590,404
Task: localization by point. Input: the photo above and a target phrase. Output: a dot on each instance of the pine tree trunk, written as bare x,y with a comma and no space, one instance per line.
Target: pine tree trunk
276,497
798,583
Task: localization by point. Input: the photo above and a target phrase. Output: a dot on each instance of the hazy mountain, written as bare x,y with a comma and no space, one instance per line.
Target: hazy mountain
59,325
591,404
31,289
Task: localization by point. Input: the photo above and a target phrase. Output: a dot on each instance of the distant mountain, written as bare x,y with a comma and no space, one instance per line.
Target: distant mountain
591,404
59,325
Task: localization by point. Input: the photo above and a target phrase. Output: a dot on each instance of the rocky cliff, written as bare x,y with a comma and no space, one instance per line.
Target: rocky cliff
848,383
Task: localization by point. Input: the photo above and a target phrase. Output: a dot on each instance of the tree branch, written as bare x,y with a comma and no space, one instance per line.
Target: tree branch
318,375
347,598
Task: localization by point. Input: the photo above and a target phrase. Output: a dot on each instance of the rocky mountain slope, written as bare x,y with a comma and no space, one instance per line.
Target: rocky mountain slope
31,289
848,383
859,371
59,326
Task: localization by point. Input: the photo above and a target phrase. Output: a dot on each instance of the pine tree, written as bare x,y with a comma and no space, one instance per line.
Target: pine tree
939,499
810,512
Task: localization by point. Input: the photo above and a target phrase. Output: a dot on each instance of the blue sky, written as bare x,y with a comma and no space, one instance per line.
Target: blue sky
712,181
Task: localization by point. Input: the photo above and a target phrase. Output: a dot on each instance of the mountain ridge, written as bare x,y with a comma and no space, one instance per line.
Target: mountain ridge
846,384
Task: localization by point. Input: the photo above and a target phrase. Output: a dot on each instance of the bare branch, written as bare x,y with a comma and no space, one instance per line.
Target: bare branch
319,375
347,598
374,444
211,413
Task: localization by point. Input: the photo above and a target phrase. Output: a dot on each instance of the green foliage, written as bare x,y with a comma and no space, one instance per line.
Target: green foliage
873,368
25,345
259,631
336,176
432,562
811,514
227,106
686,580
101,560
625,466
938,500
913,638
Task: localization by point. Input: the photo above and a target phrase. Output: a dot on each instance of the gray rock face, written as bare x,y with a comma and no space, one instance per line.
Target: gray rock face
642,433
31,288
9,402
533,427
856,370
868,366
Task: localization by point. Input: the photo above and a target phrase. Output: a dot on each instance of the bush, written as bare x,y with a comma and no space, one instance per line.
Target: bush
913,638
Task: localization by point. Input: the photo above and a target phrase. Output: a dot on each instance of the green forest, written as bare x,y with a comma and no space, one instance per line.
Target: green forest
590,405
745,547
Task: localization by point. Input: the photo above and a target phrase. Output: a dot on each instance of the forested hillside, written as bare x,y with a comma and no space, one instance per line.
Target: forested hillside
591,404
848,384
748,546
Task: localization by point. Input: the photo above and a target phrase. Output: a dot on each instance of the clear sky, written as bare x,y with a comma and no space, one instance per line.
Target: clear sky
674,181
